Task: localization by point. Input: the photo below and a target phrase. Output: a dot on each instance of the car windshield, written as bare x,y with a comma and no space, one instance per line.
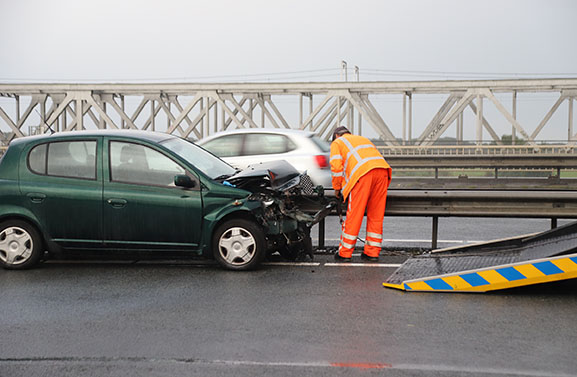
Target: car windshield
210,165
322,144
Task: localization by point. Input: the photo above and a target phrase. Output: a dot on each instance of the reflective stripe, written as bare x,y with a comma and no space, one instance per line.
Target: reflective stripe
358,165
374,235
354,152
373,243
347,245
339,174
348,236
363,146
336,157
362,162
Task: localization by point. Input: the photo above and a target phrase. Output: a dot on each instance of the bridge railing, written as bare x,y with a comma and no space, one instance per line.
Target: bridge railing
479,150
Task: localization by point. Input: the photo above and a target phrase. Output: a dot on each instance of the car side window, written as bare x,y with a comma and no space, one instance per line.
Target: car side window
261,143
71,159
225,146
139,164
37,159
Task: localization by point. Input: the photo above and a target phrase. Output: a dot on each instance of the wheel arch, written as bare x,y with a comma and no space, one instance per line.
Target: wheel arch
46,240
241,214
27,243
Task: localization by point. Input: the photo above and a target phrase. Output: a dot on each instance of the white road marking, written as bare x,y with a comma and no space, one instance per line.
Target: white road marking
345,264
291,264
203,263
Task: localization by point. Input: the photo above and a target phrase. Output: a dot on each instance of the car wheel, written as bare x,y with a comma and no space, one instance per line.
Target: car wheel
20,245
239,244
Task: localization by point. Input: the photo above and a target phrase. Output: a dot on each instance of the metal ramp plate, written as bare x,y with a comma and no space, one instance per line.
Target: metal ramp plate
525,260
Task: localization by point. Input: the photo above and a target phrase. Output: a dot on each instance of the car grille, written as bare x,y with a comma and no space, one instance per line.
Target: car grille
306,185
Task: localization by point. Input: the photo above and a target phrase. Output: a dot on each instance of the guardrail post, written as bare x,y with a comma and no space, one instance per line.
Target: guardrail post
435,232
322,234
553,222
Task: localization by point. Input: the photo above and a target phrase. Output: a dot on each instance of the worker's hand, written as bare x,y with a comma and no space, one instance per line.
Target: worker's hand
338,194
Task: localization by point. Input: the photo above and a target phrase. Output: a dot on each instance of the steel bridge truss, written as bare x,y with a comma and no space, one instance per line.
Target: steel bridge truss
197,110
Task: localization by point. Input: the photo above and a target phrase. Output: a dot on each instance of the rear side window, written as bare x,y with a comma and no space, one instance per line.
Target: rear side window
322,144
37,159
267,144
225,146
71,159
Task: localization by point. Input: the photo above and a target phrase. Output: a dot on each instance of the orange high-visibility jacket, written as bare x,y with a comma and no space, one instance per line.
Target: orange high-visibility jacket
353,156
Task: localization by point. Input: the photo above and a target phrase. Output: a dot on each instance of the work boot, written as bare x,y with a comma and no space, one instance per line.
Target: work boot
338,258
368,258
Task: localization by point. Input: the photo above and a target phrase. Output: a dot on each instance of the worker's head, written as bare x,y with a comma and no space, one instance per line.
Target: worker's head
340,131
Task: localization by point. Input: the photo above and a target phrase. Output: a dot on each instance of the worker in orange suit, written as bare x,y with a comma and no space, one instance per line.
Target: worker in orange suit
361,174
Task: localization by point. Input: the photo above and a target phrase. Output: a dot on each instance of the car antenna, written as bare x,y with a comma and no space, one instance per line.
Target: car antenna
43,121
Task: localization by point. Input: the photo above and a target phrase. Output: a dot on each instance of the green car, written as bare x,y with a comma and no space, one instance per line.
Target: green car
123,192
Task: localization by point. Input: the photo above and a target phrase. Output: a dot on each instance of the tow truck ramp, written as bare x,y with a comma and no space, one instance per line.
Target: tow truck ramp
514,262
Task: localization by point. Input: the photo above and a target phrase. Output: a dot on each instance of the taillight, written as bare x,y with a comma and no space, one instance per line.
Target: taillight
322,161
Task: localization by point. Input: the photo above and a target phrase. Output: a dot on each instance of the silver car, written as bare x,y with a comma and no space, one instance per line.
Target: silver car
302,149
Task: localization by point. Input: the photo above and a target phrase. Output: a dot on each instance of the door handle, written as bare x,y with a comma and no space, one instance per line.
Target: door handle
117,203
36,197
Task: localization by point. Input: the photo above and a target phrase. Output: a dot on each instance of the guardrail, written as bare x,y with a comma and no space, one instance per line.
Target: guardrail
469,203
477,203
541,171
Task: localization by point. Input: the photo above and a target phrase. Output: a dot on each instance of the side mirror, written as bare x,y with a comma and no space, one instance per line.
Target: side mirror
183,180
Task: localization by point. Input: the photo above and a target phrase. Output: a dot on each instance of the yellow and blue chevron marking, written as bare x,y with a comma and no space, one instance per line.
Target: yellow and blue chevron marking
497,277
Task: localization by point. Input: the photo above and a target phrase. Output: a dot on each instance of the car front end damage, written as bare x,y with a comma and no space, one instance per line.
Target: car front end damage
289,205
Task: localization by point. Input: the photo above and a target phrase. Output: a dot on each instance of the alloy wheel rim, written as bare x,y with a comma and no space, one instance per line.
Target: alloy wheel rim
237,246
15,245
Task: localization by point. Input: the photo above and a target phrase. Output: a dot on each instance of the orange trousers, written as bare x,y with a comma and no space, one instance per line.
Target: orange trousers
369,194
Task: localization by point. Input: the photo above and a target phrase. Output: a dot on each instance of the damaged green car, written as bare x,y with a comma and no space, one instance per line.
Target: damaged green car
116,193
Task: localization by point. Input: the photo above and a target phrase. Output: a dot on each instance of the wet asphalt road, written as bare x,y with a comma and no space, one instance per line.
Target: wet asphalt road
191,318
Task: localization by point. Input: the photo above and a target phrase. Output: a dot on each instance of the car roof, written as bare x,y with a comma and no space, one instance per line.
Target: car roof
282,131
137,134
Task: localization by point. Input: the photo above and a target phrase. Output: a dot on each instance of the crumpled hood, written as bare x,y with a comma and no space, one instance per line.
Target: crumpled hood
276,172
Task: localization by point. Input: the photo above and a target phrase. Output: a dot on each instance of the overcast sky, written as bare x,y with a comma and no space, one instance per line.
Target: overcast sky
297,40
231,40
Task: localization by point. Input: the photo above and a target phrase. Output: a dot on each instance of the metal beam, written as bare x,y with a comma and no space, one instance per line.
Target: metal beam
486,124
440,115
489,94
354,96
369,112
547,117
449,118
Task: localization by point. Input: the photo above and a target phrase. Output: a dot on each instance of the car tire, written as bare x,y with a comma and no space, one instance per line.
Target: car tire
239,244
21,246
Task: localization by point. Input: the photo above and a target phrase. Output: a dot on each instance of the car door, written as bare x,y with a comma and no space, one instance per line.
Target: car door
62,183
142,206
